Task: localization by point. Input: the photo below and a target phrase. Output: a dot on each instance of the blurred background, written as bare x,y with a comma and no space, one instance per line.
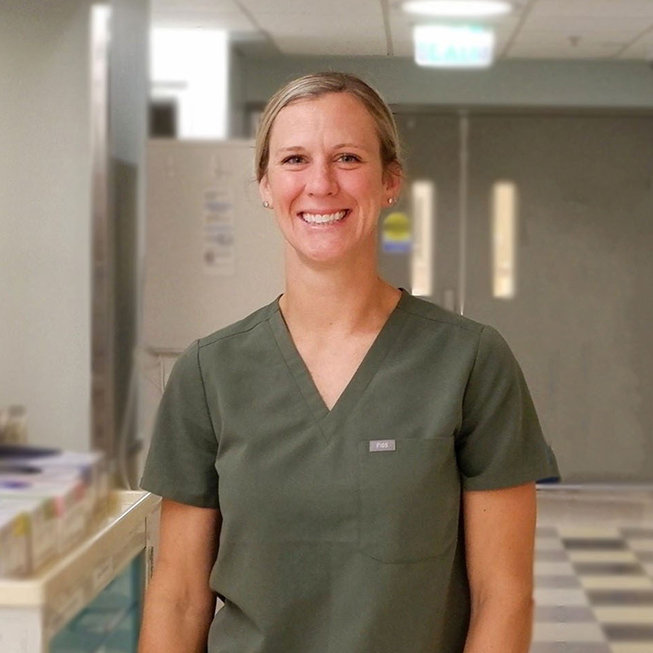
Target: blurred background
528,200
130,225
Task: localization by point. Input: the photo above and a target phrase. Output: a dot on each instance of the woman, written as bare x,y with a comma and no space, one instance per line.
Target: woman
350,468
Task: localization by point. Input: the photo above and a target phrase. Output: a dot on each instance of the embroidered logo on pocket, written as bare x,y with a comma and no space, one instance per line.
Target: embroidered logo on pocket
383,445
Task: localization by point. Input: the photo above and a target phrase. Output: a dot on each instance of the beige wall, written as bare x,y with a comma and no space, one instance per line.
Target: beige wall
518,83
45,205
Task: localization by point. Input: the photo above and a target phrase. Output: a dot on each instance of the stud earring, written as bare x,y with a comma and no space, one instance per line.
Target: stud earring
391,200
266,204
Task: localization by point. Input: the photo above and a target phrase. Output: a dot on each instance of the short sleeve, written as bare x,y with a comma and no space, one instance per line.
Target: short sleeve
180,464
500,442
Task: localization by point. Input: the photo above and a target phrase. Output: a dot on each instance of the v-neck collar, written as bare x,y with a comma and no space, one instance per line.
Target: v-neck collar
365,372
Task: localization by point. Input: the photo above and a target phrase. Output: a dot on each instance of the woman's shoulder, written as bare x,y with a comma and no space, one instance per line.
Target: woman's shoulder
465,335
243,326
437,317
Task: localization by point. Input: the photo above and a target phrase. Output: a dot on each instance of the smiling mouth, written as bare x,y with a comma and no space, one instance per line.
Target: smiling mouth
323,218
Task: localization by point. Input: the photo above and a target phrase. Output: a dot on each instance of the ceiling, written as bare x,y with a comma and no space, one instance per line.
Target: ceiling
537,29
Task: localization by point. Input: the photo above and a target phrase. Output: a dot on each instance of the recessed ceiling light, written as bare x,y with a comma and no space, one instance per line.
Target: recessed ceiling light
457,8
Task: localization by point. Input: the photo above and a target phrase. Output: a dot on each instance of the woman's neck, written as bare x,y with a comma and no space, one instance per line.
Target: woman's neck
346,299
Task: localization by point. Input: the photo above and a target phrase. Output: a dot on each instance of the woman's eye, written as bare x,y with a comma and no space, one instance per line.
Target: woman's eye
348,158
294,159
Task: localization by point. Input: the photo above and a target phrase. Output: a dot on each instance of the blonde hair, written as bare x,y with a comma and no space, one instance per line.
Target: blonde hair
315,85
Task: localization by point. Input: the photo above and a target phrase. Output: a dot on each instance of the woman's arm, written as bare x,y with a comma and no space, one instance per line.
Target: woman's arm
179,604
499,541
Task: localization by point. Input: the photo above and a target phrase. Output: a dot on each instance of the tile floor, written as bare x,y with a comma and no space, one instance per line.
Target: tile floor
594,572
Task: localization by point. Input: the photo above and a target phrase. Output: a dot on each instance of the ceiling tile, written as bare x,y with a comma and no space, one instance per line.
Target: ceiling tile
641,49
356,46
356,27
198,7
222,14
562,50
403,49
191,18
341,8
587,36
323,32
210,5
588,21
546,54
616,8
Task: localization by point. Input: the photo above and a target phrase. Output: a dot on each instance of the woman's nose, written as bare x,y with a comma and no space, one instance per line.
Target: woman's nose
322,179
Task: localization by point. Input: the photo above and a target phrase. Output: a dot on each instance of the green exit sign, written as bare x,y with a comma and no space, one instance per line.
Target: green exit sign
450,46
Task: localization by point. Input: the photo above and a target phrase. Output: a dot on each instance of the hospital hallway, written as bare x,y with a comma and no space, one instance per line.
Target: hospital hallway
132,225
594,570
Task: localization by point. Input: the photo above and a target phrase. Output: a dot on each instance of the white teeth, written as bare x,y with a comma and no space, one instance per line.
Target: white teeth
319,218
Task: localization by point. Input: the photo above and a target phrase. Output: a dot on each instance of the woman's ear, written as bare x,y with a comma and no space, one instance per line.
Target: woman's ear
393,178
264,191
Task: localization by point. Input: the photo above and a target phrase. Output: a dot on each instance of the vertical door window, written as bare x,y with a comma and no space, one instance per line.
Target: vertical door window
504,230
424,224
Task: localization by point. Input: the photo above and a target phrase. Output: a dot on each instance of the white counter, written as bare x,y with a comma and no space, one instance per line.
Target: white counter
34,609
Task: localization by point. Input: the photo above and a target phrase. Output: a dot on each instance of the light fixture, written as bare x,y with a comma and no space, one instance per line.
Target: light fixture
457,8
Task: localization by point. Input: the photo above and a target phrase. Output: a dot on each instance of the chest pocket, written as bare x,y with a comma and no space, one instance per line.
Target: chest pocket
409,499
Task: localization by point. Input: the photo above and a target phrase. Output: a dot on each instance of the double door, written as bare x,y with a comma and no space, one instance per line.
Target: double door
575,296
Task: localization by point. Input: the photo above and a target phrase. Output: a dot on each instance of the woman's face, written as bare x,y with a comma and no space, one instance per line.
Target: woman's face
325,178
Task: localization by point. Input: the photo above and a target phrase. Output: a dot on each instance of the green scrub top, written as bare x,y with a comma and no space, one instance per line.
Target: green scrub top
342,529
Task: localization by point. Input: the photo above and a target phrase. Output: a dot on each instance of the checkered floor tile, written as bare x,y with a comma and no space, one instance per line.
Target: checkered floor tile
593,590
